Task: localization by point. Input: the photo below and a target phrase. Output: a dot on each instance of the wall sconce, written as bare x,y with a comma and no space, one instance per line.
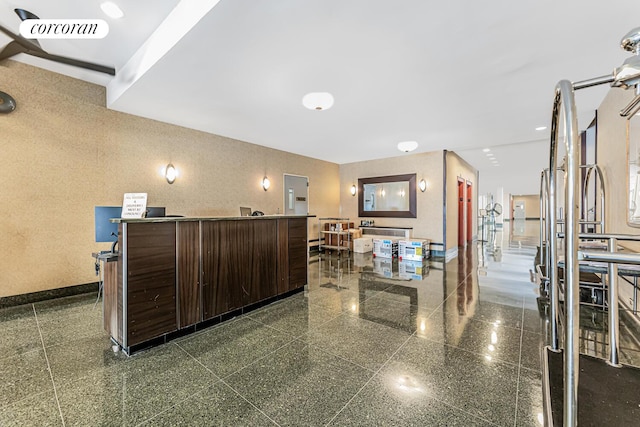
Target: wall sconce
266,183
7,103
170,173
354,190
422,185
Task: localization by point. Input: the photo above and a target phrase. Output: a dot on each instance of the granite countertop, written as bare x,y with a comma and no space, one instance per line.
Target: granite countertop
207,218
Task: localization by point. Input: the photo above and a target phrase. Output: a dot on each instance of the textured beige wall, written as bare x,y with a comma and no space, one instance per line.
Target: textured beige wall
428,224
63,153
612,159
457,167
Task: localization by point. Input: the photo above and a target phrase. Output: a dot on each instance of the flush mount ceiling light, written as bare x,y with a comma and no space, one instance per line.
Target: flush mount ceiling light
112,10
266,183
318,101
407,146
541,128
486,150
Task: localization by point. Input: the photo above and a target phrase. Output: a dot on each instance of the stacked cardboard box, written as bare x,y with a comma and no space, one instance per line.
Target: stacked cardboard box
385,248
362,245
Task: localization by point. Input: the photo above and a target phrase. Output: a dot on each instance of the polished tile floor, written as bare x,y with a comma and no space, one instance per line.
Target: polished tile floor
368,343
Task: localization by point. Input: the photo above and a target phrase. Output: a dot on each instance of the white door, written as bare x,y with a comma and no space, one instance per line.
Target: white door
296,195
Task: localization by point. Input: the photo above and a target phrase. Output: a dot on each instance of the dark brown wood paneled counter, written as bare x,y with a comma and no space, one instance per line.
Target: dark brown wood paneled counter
174,275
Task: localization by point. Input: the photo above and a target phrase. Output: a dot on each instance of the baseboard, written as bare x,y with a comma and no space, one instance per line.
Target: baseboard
32,297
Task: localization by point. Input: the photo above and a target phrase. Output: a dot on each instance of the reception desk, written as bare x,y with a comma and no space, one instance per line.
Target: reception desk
175,275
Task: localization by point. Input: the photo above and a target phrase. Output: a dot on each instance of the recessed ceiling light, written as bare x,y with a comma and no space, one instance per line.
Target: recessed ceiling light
541,128
486,150
407,146
318,101
112,10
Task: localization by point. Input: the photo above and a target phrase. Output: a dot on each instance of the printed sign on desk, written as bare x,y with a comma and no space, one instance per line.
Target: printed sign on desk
134,205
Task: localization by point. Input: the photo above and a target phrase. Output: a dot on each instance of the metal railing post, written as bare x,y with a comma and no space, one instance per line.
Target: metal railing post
614,330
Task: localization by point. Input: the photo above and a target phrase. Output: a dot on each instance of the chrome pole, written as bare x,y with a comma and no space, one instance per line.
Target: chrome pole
584,208
602,199
543,195
614,332
565,105
552,227
593,82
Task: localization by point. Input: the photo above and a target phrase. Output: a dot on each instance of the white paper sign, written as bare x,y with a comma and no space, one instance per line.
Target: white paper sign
134,205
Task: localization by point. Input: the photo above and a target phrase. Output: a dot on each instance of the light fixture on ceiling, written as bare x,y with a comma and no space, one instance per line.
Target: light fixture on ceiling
490,155
266,183
541,128
318,101
112,10
486,150
354,190
170,173
422,185
407,146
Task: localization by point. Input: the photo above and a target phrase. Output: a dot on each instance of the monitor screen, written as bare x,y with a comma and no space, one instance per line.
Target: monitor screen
155,212
104,227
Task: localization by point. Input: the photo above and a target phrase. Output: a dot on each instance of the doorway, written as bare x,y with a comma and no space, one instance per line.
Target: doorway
296,195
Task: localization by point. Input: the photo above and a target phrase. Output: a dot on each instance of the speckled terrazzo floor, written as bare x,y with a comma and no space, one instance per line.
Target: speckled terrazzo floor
361,346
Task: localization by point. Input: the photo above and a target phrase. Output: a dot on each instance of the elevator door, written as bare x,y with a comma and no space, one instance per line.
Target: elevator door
469,212
461,203
296,195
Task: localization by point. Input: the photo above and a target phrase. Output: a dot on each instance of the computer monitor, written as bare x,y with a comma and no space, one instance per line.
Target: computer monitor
245,211
155,212
104,227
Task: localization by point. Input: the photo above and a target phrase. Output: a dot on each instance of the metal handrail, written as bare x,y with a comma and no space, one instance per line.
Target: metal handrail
597,173
609,257
564,111
604,236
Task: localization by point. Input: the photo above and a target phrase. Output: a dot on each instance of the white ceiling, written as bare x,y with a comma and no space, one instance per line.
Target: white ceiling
456,75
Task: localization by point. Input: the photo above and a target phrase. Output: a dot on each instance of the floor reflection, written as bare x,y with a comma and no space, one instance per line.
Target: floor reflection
368,342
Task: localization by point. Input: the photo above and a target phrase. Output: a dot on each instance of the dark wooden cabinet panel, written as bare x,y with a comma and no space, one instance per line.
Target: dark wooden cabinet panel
239,264
151,280
283,256
120,294
188,263
298,247
260,260
210,263
110,297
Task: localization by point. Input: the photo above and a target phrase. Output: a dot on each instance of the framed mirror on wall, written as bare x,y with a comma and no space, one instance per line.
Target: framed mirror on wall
633,175
387,196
